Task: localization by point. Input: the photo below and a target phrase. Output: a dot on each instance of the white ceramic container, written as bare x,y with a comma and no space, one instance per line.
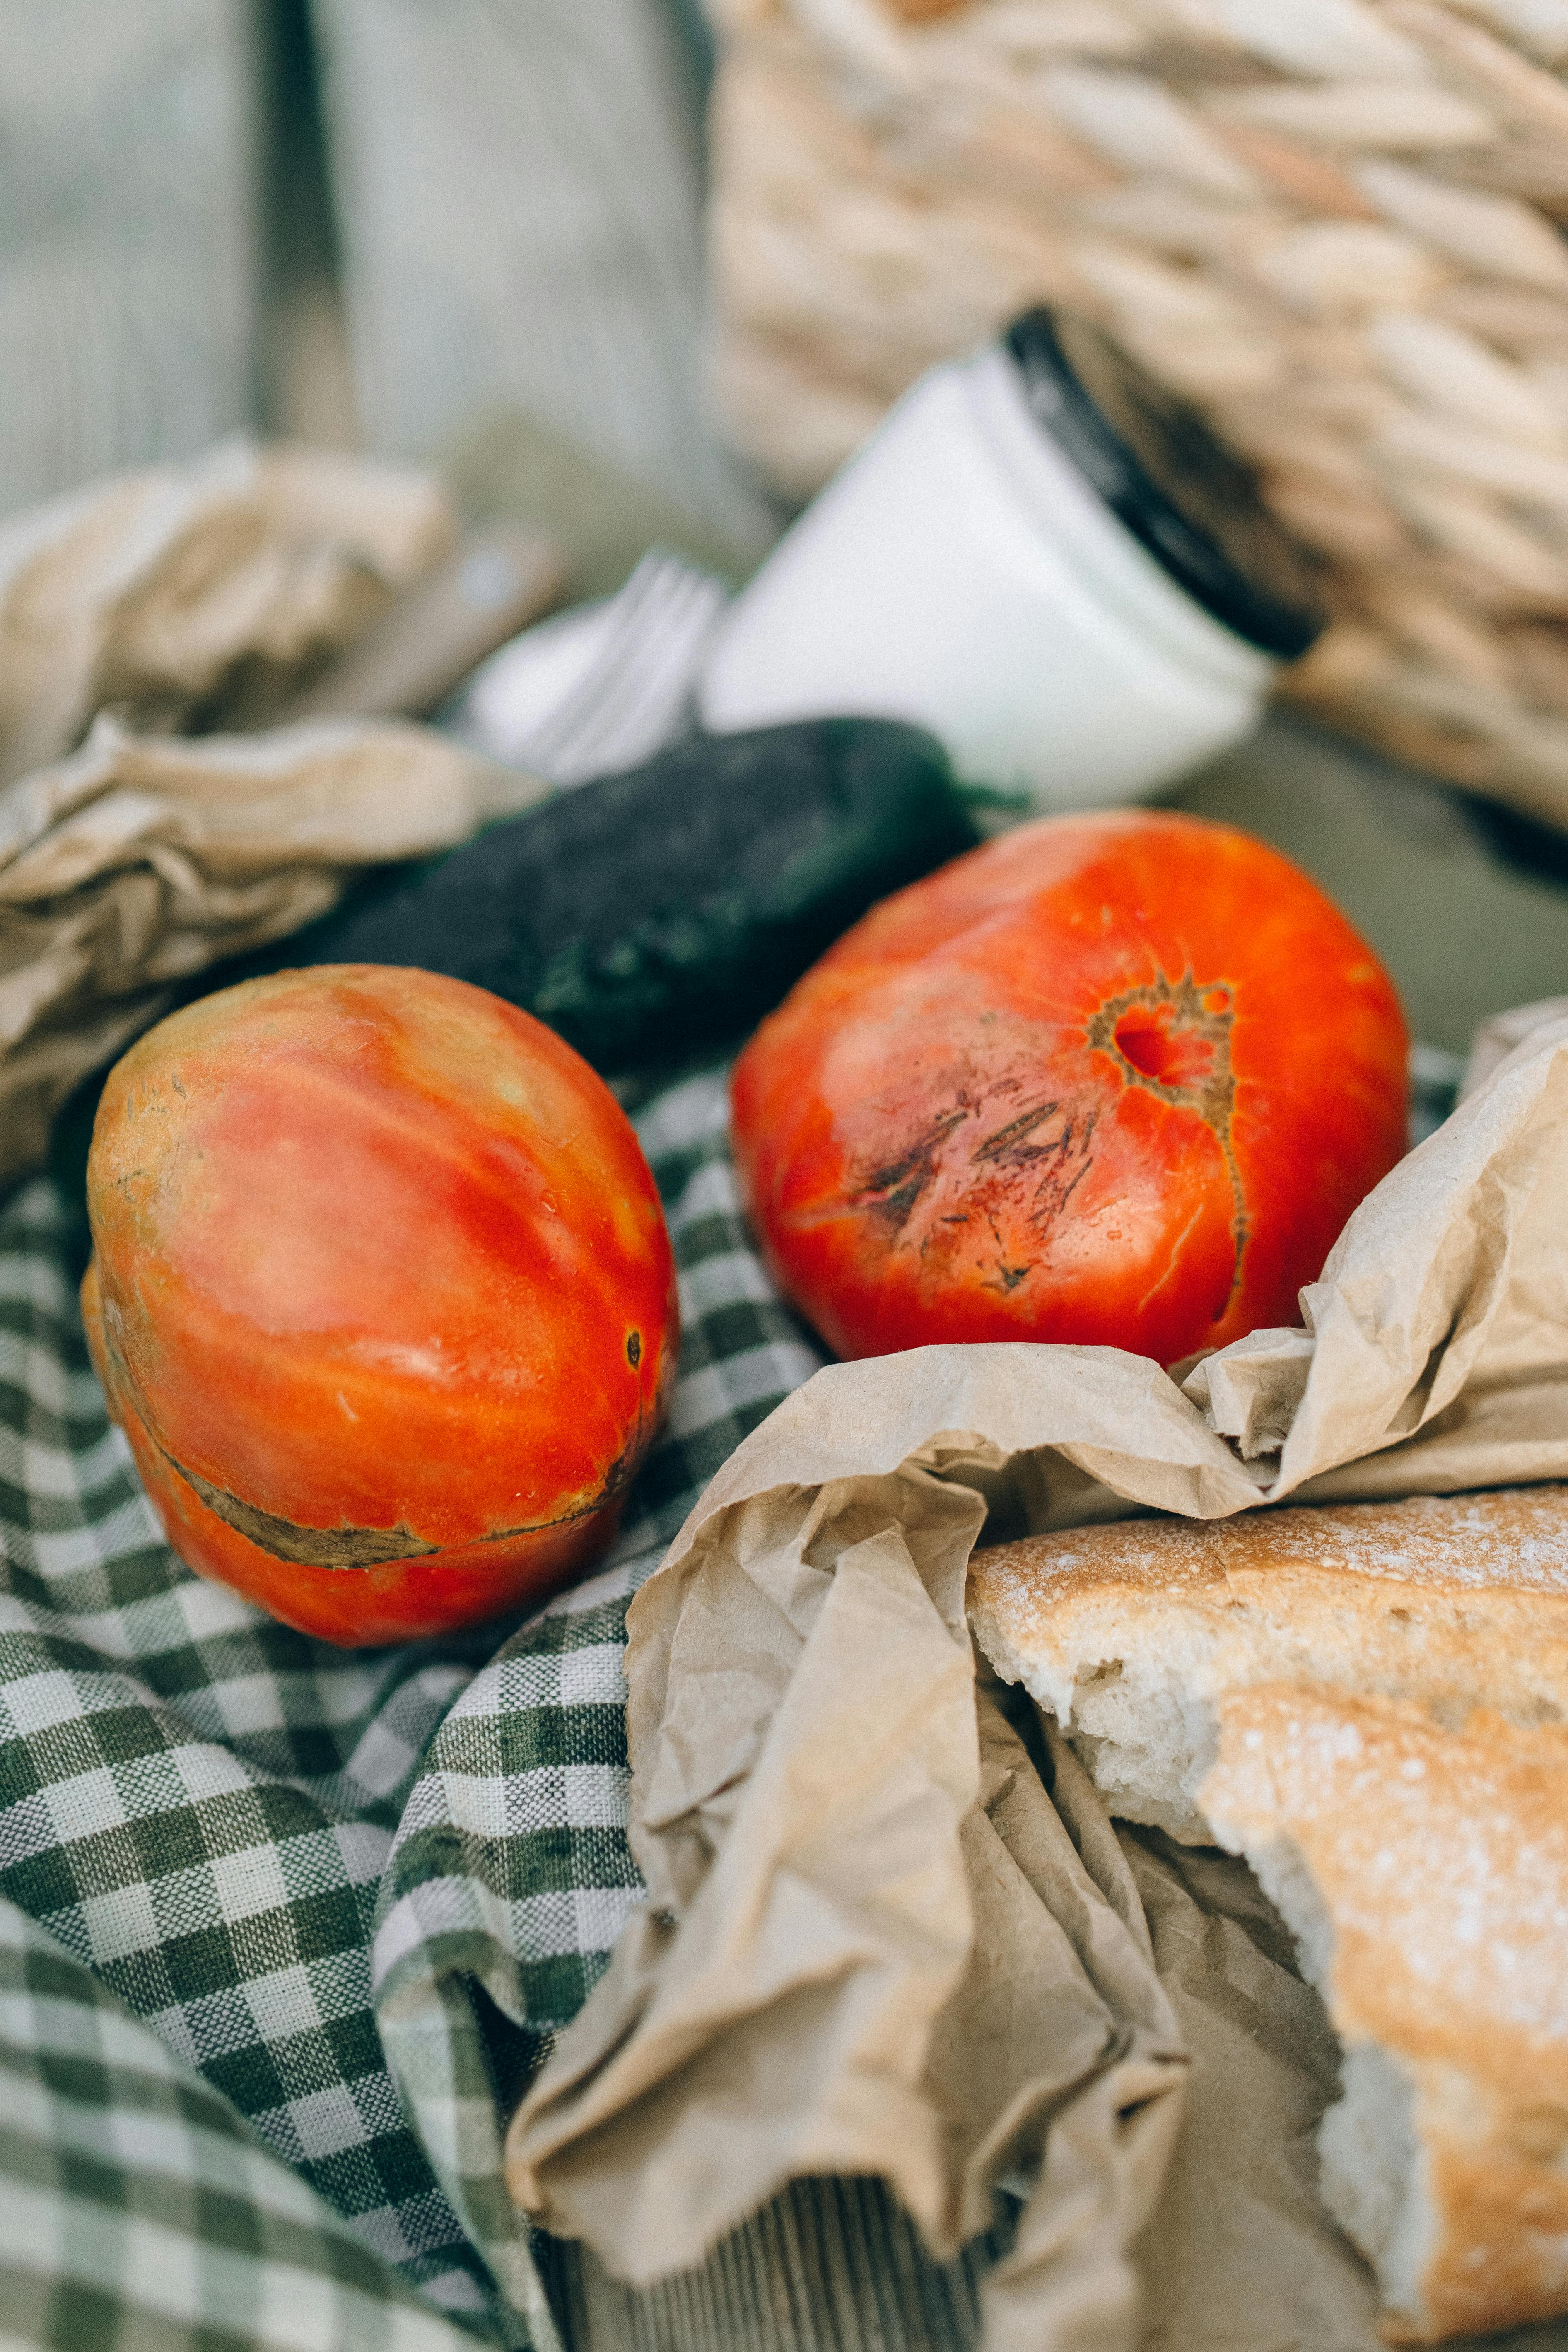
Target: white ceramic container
1078,594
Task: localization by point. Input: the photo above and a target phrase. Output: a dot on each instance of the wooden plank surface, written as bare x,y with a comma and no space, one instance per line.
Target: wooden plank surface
828,2266
127,234
518,193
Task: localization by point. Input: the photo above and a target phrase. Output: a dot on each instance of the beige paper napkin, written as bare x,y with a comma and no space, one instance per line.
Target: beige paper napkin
872,1943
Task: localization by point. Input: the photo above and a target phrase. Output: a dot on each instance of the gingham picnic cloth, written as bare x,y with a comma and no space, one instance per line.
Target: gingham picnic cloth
284,1929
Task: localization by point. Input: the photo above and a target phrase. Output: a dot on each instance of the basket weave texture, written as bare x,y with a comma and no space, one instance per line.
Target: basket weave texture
1336,226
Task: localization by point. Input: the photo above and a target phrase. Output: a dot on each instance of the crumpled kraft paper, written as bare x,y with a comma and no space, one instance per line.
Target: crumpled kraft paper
1499,1033
137,860
872,1942
205,589
178,596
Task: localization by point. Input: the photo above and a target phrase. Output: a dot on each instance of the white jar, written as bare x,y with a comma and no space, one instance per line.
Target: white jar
1075,589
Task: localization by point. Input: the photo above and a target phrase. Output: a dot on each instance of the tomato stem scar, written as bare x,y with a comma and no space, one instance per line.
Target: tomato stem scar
1186,1035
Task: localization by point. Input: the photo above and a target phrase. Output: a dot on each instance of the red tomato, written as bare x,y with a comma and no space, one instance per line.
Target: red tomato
381,1295
1116,1080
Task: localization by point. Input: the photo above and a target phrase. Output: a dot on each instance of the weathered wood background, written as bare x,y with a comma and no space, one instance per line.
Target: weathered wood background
129,252
472,229
507,219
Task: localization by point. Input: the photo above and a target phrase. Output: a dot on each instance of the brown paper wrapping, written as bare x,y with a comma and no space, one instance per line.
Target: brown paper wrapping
205,589
888,1929
138,860
131,861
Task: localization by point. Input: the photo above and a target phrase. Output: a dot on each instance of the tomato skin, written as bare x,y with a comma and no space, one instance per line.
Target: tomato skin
381,1295
1113,1080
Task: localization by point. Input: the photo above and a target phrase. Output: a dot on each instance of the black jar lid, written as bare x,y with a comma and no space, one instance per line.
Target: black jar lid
1185,497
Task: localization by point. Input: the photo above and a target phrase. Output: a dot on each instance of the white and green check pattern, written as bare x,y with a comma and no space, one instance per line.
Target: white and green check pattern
138,2212
285,1928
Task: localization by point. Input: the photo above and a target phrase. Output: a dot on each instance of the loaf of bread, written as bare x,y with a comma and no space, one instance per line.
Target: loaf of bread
1371,1704
1424,1875
1130,1635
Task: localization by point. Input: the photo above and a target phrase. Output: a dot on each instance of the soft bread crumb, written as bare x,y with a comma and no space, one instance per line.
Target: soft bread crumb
1374,2169
1375,2178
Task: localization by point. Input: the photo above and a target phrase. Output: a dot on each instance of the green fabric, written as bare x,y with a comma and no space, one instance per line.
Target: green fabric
140,2210
293,1924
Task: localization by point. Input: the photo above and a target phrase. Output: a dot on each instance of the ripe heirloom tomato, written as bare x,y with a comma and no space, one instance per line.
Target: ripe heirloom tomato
381,1294
1115,1080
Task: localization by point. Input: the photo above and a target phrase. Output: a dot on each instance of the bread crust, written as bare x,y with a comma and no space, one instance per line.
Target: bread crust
1371,1702
1509,1536
1441,1861
1453,1601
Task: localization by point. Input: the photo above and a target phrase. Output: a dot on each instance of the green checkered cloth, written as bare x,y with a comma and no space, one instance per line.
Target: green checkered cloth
285,1928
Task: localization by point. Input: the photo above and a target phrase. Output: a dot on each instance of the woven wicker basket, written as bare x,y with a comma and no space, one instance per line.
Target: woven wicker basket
1333,224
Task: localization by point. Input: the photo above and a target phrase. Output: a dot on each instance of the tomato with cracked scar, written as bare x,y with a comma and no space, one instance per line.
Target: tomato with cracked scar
1115,1080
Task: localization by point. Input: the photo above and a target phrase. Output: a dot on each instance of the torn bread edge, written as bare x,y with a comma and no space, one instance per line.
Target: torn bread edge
1370,1706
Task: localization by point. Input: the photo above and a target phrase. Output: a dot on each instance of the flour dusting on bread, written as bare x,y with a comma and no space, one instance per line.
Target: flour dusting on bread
1130,1633
1371,1704
1436,1927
